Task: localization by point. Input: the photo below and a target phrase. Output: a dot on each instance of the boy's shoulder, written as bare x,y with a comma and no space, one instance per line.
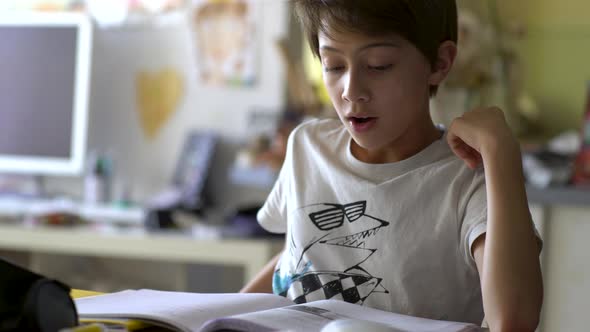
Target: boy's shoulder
317,129
320,124
328,136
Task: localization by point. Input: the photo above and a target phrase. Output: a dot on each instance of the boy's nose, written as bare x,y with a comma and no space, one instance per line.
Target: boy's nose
354,90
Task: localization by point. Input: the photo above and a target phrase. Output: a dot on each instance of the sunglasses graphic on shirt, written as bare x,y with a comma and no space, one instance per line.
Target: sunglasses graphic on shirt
333,217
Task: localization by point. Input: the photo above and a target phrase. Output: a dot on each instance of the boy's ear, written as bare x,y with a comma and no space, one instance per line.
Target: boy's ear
447,51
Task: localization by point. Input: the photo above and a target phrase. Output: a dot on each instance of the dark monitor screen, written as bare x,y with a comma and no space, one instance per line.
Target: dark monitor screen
44,82
37,90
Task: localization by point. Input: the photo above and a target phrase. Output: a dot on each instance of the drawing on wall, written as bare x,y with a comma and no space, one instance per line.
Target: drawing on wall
225,41
158,95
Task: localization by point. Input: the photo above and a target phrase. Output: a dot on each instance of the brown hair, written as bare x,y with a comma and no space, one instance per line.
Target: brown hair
424,23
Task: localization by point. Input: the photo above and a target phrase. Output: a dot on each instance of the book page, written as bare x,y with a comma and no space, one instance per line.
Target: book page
315,315
398,321
301,317
184,311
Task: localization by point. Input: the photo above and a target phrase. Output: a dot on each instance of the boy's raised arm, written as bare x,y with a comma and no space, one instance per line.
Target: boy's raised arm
262,283
507,256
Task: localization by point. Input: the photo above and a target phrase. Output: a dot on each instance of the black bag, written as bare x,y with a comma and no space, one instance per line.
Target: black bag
31,302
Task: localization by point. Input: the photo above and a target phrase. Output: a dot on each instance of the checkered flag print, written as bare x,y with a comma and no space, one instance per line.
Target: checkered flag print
349,287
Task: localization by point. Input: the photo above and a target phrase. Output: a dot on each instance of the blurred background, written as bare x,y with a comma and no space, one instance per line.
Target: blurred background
139,137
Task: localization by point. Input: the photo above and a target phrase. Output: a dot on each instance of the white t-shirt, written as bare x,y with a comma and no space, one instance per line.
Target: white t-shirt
395,236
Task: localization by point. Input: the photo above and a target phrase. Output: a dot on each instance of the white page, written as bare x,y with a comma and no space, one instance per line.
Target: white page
306,318
186,311
275,319
402,322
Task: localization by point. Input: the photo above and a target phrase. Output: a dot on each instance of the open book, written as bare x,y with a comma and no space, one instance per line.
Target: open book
197,312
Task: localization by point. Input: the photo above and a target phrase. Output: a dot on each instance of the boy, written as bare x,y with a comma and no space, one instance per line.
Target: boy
384,209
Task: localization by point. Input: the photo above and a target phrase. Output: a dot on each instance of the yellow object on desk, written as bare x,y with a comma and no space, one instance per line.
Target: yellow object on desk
113,324
80,293
98,324
87,328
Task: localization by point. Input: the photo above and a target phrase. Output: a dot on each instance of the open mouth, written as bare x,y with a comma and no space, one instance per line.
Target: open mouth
360,120
362,124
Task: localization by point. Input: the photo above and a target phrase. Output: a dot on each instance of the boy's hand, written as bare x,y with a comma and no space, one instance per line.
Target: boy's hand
481,134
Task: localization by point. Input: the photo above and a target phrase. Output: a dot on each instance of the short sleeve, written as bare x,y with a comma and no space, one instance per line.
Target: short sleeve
273,214
474,220
473,213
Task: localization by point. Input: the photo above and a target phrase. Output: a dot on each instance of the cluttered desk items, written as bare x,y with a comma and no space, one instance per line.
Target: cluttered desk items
192,312
186,191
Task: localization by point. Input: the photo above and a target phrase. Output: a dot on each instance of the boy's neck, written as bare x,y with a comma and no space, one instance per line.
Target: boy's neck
407,145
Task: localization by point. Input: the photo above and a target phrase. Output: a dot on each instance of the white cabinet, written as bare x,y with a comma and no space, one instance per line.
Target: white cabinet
563,218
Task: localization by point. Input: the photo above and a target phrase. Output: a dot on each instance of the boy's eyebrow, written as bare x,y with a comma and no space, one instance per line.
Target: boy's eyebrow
378,44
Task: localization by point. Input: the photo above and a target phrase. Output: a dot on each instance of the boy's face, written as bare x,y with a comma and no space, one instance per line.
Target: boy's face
379,87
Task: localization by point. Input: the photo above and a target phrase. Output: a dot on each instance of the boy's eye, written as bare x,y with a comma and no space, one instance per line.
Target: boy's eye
381,68
332,69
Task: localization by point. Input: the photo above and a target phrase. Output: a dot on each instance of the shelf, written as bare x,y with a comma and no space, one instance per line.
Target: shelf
570,196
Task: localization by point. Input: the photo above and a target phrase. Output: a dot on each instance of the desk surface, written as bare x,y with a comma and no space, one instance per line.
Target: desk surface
21,208
571,196
252,254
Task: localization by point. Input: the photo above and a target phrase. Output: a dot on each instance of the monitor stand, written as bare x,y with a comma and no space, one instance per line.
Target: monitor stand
38,186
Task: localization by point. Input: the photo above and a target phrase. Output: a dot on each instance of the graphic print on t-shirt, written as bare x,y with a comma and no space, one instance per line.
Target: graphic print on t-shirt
343,232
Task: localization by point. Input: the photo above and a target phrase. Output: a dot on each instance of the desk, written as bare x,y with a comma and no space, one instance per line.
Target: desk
251,254
559,196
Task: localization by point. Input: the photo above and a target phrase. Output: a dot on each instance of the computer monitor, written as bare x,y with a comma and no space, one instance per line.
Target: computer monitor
45,62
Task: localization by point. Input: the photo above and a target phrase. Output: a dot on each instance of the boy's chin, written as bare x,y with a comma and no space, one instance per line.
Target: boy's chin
366,144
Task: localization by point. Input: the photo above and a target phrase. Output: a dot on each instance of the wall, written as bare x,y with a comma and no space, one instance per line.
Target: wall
555,52
147,165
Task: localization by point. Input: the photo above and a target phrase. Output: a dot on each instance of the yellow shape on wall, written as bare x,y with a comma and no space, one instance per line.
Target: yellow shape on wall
157,95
